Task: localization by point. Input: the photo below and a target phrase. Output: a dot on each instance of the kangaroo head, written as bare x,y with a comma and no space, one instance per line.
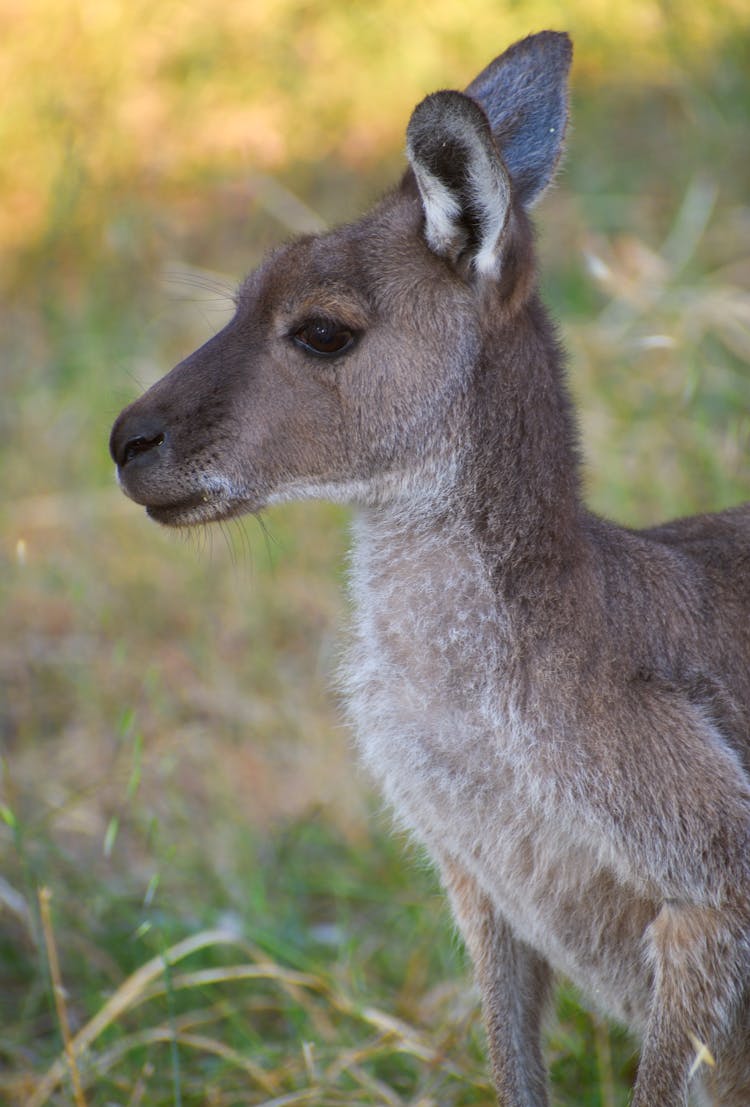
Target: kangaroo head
348,363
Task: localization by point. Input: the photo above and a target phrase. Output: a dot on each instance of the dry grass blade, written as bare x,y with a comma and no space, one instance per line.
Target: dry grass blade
307,1095
141,1085
374,1086
297,985
393,1035
127,995
349,1062
409,1040
401,1037
350,1059
59,993
703,1056
199,1042
266,971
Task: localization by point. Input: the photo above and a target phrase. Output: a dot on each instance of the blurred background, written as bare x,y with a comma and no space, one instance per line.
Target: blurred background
230,913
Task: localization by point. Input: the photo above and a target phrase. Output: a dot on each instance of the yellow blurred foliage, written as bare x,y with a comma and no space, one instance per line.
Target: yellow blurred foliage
148,93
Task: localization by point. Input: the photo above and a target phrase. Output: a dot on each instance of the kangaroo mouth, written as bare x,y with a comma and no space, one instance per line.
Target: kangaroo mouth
182,513
174,501
199,509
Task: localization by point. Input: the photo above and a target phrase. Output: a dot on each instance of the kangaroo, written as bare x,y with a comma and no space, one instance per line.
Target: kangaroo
556,706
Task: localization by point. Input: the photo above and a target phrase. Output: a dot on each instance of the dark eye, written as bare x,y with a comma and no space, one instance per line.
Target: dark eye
323,337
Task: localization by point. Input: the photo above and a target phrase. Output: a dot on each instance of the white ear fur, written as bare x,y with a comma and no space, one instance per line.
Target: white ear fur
463,183
442,209
490,193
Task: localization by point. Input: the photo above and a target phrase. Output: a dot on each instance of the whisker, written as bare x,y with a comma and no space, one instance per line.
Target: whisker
210,290
226,535
268,538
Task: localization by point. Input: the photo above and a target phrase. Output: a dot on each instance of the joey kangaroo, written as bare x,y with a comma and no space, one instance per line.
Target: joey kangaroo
558,707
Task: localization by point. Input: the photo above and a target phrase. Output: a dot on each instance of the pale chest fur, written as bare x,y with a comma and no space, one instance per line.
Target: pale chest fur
425,668
431,691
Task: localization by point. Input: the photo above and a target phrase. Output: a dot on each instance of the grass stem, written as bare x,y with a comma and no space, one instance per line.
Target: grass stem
59,993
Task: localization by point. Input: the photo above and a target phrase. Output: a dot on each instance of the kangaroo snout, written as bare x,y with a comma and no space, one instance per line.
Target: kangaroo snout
140,445
164,444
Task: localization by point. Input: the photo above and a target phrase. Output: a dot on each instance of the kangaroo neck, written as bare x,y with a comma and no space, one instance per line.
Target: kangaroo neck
509,487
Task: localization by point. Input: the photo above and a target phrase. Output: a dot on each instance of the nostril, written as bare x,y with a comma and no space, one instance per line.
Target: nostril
137,435
140,444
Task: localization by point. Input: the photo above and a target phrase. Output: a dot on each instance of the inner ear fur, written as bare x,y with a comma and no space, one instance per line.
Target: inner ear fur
463,183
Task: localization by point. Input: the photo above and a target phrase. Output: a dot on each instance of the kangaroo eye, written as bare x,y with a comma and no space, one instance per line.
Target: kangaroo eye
323,337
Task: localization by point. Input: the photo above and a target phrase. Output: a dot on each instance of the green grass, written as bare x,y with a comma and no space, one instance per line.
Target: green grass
174,767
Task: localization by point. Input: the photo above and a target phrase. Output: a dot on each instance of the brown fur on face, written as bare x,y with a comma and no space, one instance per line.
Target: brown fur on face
557,707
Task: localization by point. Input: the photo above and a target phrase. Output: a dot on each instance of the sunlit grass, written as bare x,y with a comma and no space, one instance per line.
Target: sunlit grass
103,99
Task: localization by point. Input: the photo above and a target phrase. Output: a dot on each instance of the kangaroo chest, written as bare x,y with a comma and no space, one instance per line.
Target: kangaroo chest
432,696
430,685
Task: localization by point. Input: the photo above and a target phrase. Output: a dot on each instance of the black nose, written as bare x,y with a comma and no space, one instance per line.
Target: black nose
134,436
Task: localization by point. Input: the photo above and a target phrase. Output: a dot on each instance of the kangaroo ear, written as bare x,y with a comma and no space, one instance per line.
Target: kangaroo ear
524,93
461,177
